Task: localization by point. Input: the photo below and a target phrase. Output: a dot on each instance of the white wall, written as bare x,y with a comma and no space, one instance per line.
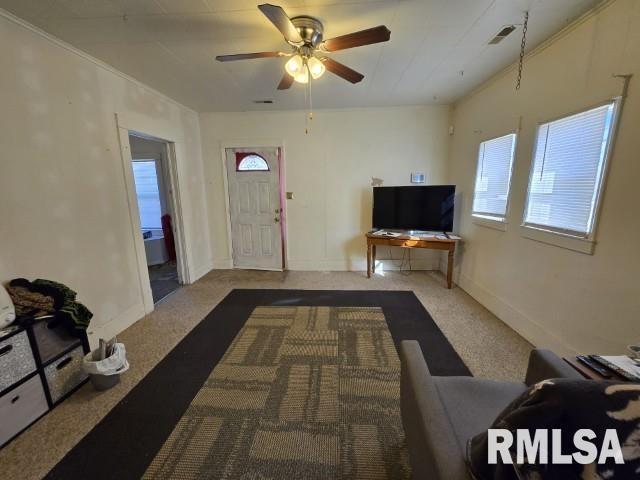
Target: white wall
553,296
329,171
63,204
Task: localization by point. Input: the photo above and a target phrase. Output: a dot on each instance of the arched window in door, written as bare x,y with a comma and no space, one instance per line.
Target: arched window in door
252,163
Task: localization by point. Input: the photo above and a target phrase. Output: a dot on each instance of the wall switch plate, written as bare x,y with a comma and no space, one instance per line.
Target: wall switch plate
418,177
289,195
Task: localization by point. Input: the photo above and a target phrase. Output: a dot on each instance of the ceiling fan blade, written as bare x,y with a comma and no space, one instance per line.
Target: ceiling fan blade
343,71
357,39
282,22
286,82
248,56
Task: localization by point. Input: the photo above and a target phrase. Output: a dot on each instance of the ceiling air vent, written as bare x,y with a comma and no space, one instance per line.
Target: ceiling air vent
263,101
502,34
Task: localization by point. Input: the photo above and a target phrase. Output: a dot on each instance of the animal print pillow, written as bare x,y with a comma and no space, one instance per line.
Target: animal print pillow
608,409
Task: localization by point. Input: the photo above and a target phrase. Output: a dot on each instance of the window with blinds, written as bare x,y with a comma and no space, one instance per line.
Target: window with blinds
145,176
567,171
493,177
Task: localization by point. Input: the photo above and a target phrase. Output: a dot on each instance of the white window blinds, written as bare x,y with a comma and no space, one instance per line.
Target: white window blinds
567,170
146,179
493,176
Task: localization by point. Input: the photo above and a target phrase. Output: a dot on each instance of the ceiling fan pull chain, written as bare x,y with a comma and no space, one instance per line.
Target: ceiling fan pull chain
306,103
522,46
310,100
309,116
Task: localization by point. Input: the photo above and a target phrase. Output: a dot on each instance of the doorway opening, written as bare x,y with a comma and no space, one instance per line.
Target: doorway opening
256,207
153,188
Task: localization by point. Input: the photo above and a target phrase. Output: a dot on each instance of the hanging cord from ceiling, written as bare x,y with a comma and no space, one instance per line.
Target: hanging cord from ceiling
308,100
522,47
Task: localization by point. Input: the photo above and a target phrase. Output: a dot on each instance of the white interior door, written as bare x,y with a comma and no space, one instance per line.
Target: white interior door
254,207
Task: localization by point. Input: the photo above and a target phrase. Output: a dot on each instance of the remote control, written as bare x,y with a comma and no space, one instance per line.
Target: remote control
594,366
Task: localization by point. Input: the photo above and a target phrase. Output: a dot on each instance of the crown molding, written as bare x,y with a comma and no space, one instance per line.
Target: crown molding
99,63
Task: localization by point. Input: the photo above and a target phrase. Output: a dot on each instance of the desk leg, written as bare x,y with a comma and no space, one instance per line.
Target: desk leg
450,268
368,260
373,258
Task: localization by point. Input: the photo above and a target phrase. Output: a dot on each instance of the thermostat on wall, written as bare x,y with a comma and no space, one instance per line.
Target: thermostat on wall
417,177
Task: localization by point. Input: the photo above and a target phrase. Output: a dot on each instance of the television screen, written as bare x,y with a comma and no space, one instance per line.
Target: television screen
428,208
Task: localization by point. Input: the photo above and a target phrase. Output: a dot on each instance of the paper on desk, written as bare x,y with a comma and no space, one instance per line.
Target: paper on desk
623,362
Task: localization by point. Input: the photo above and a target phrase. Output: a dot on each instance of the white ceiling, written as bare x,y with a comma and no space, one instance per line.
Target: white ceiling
438,49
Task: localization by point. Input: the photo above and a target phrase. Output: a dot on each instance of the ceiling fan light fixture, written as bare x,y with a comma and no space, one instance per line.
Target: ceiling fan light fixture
302,76
316,67
305,35
294,66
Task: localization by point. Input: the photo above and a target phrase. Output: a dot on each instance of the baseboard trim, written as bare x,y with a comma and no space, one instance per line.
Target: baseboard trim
357,266
202,271
116,325
343,265
225,264
525,326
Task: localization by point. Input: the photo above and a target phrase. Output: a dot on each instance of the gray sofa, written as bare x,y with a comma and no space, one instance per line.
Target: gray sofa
440,414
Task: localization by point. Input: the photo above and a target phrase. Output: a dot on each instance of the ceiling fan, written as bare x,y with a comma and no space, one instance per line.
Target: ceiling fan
305,35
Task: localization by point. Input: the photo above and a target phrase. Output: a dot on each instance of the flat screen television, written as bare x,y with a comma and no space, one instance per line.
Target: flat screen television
426,208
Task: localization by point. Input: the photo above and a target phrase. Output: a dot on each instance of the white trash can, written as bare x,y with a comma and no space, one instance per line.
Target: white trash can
104,374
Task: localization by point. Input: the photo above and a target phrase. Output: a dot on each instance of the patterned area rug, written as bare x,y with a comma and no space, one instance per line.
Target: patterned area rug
126,441
302,392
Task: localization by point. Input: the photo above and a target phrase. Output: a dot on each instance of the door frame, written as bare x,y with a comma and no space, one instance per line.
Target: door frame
257,143
134,215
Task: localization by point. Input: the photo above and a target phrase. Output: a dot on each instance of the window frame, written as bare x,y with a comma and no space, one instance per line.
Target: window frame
566,238
157,158
492,220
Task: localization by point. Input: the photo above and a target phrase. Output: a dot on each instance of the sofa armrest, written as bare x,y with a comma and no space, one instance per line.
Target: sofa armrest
433,449
544,364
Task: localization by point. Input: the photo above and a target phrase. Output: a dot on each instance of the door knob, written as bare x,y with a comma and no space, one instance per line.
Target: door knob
276,219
